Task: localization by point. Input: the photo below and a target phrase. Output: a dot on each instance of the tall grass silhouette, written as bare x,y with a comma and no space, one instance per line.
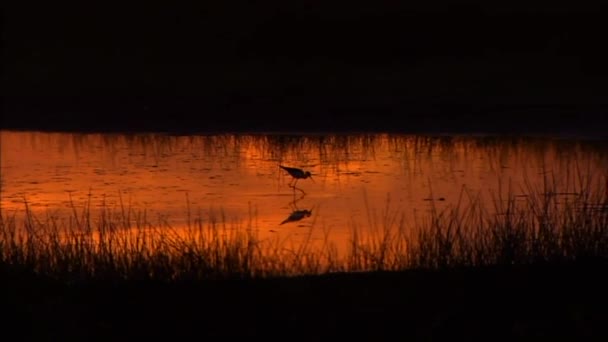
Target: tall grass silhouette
546,224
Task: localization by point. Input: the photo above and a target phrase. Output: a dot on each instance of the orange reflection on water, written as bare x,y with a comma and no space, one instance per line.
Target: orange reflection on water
237,178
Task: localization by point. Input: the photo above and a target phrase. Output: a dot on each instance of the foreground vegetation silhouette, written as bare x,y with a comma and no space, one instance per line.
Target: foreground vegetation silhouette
528,269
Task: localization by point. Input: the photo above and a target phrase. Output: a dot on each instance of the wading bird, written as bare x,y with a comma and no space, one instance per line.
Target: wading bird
297,174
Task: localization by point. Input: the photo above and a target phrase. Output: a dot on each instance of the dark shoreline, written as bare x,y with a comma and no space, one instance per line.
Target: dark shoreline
191,115
503,302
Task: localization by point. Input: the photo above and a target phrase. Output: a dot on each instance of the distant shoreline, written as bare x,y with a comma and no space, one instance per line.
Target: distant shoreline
195,116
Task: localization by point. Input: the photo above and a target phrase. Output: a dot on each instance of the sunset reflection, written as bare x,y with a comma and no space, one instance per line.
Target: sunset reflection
177,179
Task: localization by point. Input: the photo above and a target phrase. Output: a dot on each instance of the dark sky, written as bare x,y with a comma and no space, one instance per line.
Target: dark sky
305,55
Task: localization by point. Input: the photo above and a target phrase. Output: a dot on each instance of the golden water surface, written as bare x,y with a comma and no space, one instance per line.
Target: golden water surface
236,178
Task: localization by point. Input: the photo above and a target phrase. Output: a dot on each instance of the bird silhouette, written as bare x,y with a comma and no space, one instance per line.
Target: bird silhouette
296,174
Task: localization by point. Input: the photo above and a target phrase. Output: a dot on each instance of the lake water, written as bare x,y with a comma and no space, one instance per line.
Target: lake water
356,177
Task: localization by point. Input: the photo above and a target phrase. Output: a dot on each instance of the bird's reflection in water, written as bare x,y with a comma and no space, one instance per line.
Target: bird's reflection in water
297,214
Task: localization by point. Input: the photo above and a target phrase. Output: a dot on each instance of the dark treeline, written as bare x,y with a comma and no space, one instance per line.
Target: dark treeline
245,62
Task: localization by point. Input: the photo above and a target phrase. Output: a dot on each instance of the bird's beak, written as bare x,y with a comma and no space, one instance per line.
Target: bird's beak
312,178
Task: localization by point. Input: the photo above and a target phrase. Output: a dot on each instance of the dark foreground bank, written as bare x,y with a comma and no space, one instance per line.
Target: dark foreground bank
546,301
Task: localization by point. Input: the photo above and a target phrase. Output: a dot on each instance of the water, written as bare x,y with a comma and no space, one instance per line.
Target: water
357,179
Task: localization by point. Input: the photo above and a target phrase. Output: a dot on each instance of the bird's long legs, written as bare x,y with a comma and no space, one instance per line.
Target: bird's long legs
293,204
293,182
293,186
